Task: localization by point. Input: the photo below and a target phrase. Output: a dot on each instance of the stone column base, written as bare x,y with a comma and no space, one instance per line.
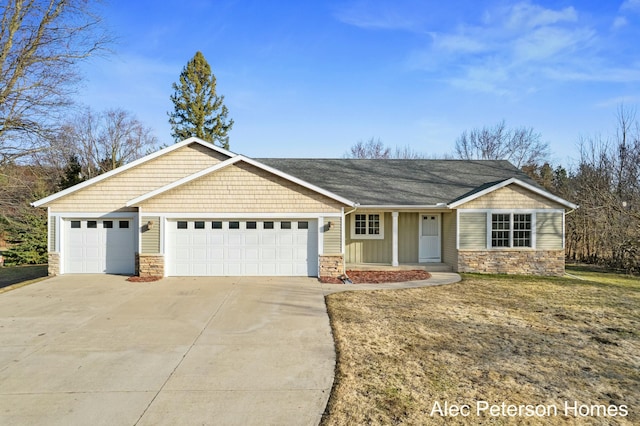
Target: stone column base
331,266
53,264
150,265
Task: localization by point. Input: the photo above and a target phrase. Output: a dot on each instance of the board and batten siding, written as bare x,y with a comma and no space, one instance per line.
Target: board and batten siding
150,238
549,230
241,187
408,226
112,194
449,251
369,251
472,230
332,235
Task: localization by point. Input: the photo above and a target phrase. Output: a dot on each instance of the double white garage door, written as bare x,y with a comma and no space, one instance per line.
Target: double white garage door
242,247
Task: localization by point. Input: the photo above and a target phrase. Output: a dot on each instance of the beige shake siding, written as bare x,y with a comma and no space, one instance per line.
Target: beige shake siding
150,237
242,188
111,194
511,197
332,235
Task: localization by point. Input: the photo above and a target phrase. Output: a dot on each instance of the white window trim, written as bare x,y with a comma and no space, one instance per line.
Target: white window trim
367,236
511,212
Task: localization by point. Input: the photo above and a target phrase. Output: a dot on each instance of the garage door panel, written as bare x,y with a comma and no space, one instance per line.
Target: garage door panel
268,238
217,238
252,239
285,239
285,254
235,238
268,253
251,254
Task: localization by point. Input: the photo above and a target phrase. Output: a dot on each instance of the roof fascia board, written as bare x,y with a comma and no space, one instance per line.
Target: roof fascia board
130,165
230,162
516,181
404,207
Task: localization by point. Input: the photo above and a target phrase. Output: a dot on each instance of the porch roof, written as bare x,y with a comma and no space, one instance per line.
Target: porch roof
400,182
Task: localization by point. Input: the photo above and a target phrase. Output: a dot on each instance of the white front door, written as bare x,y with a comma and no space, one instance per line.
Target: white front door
429,243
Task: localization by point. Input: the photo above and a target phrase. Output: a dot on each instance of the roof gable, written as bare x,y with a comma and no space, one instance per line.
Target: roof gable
231,161
131,165
481,191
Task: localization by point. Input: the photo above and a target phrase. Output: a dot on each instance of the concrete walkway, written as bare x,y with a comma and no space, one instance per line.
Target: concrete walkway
98,350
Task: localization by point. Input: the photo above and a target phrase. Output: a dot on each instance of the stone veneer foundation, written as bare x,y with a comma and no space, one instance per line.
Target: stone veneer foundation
331,266
53,264
150,265
524,262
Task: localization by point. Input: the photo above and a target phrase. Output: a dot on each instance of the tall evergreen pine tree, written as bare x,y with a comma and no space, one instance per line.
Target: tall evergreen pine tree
198,111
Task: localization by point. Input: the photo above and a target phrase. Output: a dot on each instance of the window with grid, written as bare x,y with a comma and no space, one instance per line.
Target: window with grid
522,230
374,224
367,226
500,229
361,224
511,230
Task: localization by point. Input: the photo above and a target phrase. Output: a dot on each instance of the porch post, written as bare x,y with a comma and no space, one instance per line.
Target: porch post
394,239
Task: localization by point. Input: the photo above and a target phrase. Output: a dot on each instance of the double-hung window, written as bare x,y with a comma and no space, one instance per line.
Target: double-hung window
511,230
367,226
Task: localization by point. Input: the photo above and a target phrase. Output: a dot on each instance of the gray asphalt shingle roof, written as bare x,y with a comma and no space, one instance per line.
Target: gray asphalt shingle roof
399,182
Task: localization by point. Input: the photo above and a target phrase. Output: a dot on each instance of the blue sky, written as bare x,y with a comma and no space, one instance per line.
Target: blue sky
311,78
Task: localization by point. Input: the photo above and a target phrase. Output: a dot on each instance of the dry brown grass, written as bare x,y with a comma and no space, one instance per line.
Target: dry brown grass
517,340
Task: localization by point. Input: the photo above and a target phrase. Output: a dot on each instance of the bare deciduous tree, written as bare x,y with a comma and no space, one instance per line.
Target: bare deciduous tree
100,141
41,43
375,149
606,228
521,146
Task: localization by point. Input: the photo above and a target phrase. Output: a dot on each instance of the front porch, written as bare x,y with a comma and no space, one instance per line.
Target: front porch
429,267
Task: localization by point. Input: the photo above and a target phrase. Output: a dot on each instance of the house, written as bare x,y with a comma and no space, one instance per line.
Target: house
196,209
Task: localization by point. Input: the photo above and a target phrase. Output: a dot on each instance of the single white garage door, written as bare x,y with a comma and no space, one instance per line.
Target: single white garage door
242,247
99,246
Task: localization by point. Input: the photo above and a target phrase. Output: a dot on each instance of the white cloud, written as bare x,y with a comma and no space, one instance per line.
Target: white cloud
459,43
619,22
523,47
379,15
527,15
630,5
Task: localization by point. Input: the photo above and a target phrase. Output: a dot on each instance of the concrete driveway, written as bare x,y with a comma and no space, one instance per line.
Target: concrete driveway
79,350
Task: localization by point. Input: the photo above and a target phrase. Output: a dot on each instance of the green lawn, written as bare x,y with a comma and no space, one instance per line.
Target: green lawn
17,274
